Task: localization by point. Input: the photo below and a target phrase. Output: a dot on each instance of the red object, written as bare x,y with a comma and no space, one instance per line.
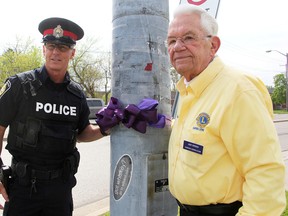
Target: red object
149,67
196,2
65,33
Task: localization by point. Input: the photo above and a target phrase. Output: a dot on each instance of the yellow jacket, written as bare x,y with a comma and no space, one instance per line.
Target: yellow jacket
224,146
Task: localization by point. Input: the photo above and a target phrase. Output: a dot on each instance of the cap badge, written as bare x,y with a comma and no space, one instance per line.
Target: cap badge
58,32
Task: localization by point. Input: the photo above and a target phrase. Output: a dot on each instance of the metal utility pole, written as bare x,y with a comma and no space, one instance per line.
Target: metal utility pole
286,55
140,69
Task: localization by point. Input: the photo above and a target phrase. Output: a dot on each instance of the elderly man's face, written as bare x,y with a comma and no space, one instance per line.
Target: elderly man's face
189,47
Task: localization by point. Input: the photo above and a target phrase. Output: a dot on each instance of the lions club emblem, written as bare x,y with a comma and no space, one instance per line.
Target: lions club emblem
203,119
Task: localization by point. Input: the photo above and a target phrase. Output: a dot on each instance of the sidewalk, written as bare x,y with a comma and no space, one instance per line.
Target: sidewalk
93,209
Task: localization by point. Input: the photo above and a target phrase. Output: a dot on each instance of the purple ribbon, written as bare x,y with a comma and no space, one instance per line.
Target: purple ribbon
109,116
136,117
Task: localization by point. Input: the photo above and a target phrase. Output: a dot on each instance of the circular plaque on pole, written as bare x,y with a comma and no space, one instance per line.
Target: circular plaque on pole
122,176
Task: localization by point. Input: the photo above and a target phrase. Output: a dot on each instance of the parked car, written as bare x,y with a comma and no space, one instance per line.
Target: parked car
95,104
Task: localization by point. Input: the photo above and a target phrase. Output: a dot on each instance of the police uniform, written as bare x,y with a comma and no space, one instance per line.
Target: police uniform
44,119
224,148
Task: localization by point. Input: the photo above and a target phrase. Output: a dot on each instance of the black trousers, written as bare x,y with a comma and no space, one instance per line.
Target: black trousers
45,198
210,210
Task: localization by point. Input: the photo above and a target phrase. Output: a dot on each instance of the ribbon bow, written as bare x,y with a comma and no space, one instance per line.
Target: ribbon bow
136,117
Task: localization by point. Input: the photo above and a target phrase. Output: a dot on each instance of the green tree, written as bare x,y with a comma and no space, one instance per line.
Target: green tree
23,56
279,93
87,68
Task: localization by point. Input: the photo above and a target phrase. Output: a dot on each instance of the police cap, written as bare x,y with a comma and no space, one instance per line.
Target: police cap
60,31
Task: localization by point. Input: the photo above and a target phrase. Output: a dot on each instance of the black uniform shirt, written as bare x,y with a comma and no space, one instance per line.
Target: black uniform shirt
11,95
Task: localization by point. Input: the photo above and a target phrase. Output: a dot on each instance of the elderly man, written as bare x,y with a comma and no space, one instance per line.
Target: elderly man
224,153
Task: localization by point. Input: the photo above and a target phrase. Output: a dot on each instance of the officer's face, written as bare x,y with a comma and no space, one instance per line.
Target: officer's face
57,57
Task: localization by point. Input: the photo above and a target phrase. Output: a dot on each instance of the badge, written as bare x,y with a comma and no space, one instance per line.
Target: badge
193,147
5,88
58,32
203,119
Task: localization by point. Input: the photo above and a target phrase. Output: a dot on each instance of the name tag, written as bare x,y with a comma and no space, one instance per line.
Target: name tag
193,147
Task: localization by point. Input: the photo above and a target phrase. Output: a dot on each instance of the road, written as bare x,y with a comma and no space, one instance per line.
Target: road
282,130
94,171
93,177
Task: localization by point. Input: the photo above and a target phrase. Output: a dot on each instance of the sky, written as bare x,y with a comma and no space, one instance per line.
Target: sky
247,28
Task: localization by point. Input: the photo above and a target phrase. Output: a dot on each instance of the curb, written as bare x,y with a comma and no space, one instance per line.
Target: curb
280,120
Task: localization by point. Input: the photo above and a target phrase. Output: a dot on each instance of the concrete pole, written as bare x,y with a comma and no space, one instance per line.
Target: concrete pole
140,69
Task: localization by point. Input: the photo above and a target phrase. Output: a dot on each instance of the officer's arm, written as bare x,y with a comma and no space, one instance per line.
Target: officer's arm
2,132
90,133
2,189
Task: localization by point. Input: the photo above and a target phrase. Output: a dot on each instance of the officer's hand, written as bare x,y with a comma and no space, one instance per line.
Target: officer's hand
105,133
4,194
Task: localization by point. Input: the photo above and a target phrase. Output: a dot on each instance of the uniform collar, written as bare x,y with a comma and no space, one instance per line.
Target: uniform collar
43,75
197,85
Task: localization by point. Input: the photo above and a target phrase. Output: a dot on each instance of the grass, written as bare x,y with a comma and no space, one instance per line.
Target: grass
280,112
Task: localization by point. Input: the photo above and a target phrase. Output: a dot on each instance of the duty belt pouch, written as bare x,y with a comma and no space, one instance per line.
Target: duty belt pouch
71,164
22,172
32,129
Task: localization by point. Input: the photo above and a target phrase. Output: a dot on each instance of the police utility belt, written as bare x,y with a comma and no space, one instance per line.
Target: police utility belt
24,170
212,209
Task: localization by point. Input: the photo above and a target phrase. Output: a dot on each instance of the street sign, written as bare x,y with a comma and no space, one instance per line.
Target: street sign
211,6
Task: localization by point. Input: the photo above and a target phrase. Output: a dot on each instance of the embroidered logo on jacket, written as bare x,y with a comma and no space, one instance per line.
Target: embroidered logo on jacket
202,120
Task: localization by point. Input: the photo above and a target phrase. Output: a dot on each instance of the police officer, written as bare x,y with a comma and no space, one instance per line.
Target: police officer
46,113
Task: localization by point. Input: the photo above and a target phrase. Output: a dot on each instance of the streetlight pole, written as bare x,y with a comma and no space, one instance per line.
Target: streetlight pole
286,55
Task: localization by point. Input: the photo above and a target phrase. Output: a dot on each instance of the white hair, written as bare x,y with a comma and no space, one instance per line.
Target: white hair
208,23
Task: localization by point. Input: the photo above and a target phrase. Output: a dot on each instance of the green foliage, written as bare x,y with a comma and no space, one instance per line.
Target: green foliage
280,112
279,93
285,213
14,61
90,70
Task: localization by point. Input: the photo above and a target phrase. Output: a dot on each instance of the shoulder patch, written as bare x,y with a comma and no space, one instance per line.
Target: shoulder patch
5,88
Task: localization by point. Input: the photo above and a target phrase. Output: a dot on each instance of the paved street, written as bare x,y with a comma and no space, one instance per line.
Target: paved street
93,177
282,130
